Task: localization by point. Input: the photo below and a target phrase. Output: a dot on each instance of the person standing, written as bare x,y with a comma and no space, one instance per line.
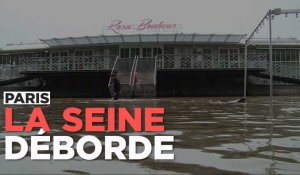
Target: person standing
136,77
116,86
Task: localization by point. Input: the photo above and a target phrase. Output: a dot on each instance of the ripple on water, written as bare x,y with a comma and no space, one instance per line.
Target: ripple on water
246,165
75,165
249,145
290,110
198,122
287,142
168,132
292,156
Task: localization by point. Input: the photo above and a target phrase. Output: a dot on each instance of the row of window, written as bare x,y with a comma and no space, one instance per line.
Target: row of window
152,52
282,55
286,55
146,52
101,51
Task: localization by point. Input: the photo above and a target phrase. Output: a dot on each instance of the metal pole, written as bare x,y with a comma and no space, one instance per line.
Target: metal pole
271,57
245,70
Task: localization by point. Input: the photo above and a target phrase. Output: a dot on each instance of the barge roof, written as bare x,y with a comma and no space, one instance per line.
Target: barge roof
176,38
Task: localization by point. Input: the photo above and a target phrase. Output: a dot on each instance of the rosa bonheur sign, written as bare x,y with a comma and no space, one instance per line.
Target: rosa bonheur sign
145,26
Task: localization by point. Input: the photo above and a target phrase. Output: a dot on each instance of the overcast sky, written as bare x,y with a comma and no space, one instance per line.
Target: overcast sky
30,20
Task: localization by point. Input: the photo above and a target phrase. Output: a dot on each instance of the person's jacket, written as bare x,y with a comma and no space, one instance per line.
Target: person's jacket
117,85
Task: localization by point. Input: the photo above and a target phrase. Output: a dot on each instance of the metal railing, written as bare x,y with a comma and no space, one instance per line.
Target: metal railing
145,70
9,72
123,68
155,70
165,61
286,69
210,61
112,71
133,71
67,63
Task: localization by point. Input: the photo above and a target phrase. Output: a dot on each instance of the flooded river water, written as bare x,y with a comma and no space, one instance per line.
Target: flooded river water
211,137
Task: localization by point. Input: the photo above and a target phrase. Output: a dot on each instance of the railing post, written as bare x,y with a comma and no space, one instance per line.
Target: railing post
162,61
59,65
112,70
177,62
93,65
68,62
192,61
229,58
245,70
74,62
299,65
50,60
155,69
219,61
239,59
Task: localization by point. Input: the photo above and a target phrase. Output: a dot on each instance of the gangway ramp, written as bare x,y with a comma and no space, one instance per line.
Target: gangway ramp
277,77
16,80
136,75
144,77
284,72
123,68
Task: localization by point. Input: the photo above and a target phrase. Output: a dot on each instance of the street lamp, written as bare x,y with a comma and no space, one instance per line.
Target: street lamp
269,17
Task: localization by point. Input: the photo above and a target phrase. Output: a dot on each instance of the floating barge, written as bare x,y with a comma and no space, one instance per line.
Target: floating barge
167,65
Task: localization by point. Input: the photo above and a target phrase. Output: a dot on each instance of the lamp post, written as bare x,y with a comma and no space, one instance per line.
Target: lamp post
268,16
270,57
270,13
245,70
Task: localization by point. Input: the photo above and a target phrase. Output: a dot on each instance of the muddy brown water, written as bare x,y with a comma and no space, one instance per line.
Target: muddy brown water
211,137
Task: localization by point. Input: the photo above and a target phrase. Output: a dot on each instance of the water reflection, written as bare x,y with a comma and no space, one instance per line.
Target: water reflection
210,137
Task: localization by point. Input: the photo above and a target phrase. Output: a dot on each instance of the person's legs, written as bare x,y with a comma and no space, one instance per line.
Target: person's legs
132,92
116,97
